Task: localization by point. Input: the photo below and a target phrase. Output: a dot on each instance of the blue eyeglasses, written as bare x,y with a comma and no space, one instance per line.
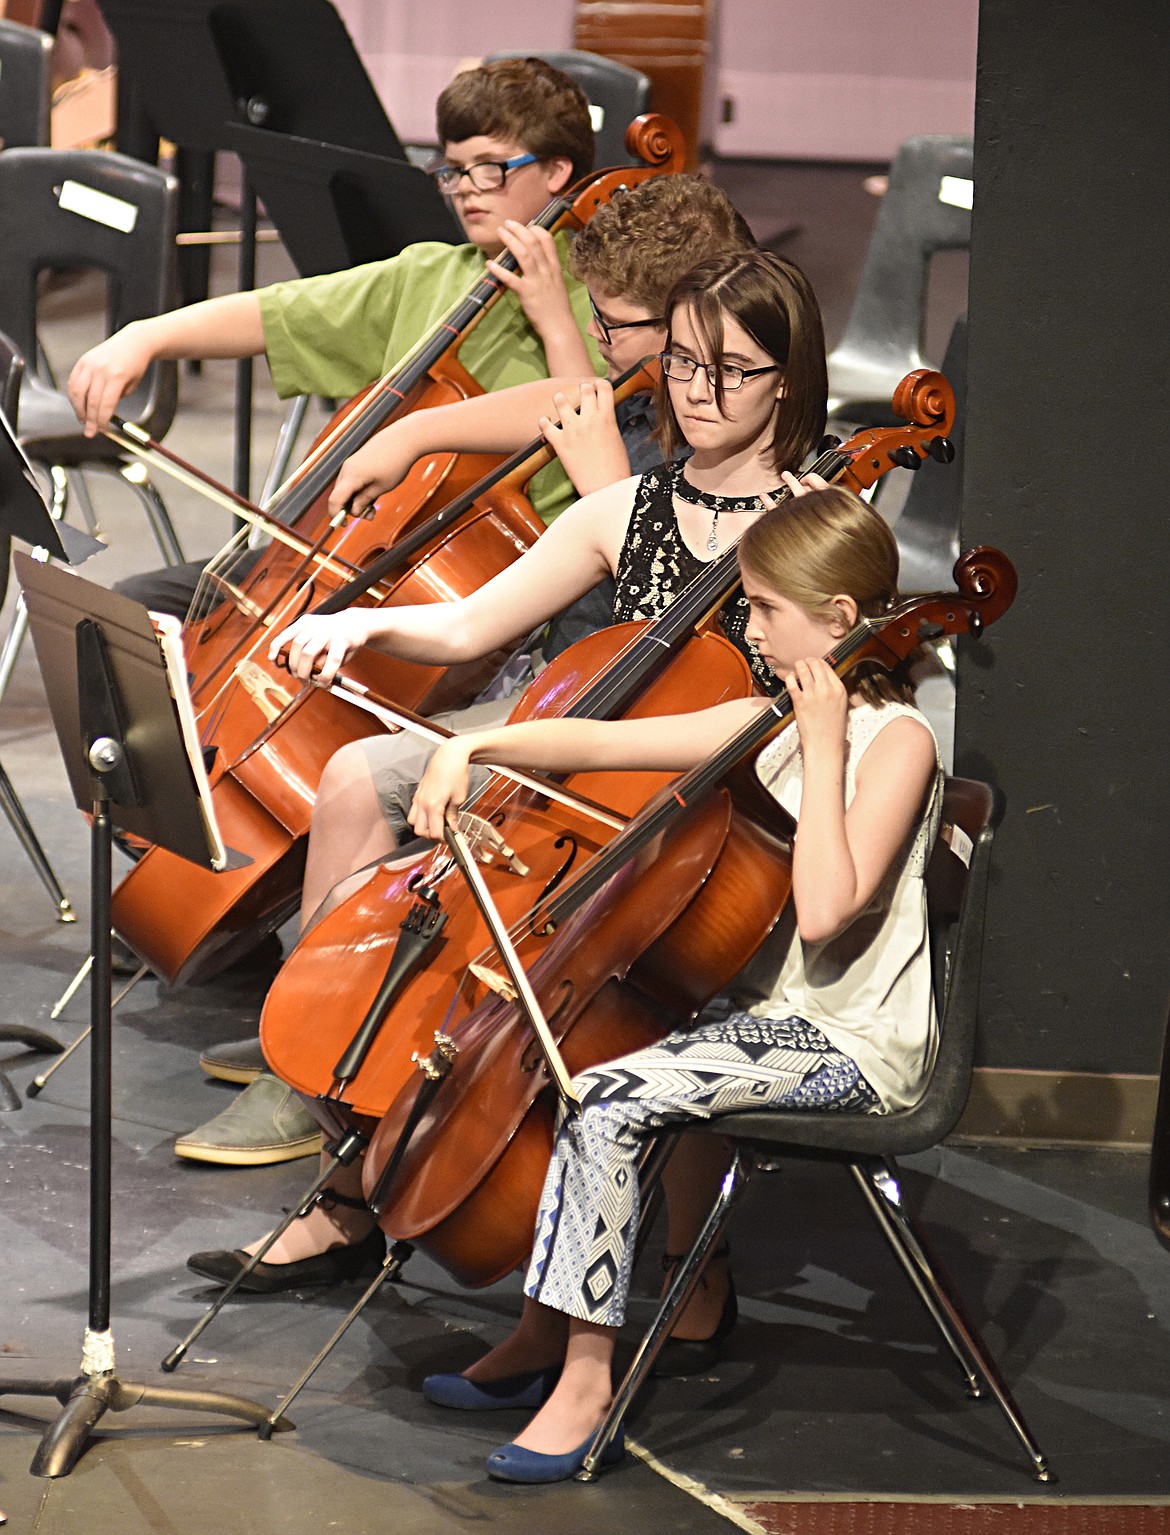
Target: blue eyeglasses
486,176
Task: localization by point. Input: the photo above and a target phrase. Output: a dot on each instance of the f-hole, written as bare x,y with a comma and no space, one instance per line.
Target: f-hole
569,841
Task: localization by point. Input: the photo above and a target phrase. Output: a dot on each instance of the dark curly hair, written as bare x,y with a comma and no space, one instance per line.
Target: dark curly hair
645,238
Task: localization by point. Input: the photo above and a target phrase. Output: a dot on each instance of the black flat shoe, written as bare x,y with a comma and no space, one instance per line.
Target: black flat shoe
339,1265
691,1356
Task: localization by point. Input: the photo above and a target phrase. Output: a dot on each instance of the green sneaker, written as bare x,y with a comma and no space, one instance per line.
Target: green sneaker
240,1061
266,1123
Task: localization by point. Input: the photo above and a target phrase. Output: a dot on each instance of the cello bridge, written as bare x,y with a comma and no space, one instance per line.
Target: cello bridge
493,980
487,844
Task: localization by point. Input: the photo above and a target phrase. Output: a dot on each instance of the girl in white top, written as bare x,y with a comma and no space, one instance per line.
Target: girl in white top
836,1015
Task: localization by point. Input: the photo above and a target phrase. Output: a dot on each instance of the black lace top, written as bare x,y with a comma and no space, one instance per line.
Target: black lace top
655,565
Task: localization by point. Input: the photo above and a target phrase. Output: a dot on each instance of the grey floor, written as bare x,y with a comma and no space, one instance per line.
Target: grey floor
833,1383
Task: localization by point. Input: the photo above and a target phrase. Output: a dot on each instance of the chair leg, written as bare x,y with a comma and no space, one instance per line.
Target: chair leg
877,1178
290,429
135,476
22,826
13,640
678,1292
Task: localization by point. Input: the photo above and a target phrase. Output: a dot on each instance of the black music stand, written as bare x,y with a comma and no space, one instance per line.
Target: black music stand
194,66
336,207
124,751
24,515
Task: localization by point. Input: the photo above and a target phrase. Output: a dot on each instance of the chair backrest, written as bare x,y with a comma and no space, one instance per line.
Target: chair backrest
617,94
25,85
956,897
70,209
956,900
922,212
11,373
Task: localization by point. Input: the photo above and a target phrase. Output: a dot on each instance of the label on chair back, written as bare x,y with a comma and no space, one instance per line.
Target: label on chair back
957,190
958,841
115,212
596,117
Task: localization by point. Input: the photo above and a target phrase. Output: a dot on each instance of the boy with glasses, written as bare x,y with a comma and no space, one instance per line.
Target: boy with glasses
515,133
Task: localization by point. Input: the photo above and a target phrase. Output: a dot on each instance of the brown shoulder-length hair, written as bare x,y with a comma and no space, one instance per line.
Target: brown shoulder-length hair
825,544
773,301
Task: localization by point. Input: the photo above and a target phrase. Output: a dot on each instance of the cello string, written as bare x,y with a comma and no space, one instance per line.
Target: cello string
481,295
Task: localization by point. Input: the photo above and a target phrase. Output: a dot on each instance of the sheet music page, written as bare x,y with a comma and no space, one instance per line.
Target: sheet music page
170,639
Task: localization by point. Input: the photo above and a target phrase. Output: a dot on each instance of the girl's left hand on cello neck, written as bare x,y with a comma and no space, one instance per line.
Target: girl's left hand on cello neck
820,703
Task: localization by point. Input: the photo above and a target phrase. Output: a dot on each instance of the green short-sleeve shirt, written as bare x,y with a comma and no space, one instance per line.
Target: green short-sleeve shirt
335,334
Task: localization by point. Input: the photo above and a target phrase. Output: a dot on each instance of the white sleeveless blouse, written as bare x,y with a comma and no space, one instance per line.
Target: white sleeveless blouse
868,989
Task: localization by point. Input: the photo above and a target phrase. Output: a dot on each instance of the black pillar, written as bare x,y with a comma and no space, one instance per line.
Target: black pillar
1065,706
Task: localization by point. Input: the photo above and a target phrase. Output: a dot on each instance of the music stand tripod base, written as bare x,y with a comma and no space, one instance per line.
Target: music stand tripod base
86,1398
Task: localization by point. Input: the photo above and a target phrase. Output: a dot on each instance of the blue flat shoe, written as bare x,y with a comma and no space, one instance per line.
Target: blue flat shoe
511,1463
531,1389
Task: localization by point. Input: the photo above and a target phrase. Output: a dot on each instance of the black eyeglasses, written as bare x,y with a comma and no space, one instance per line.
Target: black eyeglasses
730,374
607,327
487,176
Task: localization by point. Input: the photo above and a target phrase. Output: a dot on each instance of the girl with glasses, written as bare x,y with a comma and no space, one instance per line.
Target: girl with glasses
653,533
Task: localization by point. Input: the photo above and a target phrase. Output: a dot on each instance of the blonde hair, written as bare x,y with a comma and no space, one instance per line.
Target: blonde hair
774,302
648,236
824,544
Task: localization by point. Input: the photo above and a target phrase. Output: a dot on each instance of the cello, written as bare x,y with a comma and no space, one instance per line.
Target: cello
647,933
377,969
264,802
271,742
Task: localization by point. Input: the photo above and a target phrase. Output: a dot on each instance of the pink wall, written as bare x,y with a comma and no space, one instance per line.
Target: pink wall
806,79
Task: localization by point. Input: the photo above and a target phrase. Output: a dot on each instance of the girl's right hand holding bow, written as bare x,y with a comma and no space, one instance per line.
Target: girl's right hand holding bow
315,647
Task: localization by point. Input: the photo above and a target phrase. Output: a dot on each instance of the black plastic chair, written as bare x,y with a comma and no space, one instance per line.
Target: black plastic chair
617,94
866,1144
25,85
884,332
81,209
11,371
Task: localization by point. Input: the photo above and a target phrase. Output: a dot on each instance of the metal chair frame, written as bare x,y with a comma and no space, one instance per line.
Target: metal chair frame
11,373
868,1144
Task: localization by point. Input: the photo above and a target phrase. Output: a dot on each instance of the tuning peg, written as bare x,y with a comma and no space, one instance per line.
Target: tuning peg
905,458
828,443
941,449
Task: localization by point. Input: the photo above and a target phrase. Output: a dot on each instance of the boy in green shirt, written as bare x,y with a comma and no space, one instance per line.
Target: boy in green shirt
515,133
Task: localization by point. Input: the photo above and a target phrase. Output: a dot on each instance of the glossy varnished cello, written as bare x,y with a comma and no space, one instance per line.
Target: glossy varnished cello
357,1053
646,934
271,741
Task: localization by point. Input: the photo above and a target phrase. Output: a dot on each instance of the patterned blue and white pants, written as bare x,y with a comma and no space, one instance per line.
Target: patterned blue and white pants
583,1250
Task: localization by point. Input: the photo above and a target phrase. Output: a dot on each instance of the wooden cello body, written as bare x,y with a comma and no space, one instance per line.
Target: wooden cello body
342,974
665,923
336,972
272,740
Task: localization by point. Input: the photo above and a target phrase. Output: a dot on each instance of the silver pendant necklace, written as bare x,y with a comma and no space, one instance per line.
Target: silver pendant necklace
685,491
